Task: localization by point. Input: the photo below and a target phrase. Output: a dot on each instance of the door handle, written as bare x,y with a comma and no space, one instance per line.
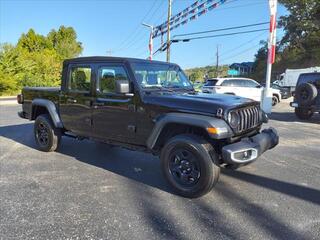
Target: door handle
71,100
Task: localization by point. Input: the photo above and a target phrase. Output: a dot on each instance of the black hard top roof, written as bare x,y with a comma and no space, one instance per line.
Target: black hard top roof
110,59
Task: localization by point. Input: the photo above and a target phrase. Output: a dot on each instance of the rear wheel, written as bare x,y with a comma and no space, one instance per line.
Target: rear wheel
303,113
46,135
189,164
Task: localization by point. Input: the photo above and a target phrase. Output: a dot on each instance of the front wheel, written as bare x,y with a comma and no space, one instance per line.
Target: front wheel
46,135
189,164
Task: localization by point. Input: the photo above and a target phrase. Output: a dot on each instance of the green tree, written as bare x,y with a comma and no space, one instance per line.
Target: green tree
302,22
301,41
300,45
196,76
65,42
10,66
36,60
33,42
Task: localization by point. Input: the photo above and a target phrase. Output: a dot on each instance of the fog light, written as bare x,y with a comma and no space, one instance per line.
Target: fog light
244,155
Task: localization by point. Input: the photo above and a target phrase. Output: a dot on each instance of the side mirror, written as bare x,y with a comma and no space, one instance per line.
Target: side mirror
122,86
258,86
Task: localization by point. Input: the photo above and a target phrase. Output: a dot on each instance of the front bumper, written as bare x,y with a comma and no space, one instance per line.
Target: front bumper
249,149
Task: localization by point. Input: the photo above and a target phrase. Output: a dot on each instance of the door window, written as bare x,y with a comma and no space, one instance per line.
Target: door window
108,76
249,83
227,83
80,79
232,83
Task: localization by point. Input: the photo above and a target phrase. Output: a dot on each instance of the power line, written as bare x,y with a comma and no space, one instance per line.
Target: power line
238,53
222,29
143,44
241,6
163,47
137,30
189,14
242,44
223,8
219,35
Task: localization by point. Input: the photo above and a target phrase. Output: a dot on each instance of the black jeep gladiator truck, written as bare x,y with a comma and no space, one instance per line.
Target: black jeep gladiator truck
150,106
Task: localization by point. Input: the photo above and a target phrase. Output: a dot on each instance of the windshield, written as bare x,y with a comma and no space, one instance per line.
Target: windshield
160,76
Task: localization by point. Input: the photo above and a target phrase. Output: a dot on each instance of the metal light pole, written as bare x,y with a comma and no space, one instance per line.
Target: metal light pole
217,61
150,40
168,30
266,103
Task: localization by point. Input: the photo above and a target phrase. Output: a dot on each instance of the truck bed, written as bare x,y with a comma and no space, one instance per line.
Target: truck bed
31,93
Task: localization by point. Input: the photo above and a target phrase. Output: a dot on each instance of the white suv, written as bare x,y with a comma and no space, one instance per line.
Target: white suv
243,87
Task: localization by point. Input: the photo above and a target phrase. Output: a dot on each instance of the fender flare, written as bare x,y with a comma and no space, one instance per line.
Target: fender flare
52,109
192,120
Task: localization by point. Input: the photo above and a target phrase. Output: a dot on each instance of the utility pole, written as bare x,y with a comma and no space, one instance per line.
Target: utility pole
266,101
150,39
168,32
217,61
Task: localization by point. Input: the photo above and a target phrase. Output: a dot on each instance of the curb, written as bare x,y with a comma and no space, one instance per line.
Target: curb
8,101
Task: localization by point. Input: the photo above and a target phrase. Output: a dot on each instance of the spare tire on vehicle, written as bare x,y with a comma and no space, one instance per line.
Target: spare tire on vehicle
306,93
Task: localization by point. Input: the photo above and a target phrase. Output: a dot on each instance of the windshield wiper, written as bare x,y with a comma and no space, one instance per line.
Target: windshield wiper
184,89
158,88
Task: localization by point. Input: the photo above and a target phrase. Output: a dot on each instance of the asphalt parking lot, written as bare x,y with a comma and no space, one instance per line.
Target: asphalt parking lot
89,191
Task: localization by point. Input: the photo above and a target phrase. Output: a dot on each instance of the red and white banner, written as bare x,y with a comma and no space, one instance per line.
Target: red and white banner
273,28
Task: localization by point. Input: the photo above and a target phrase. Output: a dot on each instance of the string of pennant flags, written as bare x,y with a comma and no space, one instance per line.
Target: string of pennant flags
195,10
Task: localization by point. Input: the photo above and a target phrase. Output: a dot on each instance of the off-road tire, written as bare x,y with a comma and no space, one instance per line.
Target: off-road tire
303,113
45,129
204,156
305,94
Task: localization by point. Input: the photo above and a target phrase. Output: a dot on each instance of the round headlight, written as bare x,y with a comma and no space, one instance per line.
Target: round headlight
233,119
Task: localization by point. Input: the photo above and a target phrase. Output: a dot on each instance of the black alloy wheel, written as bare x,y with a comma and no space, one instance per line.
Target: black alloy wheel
42,134
190,165
184,167
47,136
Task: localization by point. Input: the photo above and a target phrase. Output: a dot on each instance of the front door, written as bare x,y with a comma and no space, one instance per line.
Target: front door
75,101
113,113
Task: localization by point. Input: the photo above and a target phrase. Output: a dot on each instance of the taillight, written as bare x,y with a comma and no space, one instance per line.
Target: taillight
20,98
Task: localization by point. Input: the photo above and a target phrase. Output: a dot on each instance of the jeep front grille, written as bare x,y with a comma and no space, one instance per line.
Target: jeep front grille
249,117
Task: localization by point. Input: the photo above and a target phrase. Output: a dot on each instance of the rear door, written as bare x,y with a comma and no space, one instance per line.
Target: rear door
253,89
113,113
230,86
75,100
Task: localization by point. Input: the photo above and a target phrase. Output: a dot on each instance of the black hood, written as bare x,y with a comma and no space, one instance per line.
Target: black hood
196,102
